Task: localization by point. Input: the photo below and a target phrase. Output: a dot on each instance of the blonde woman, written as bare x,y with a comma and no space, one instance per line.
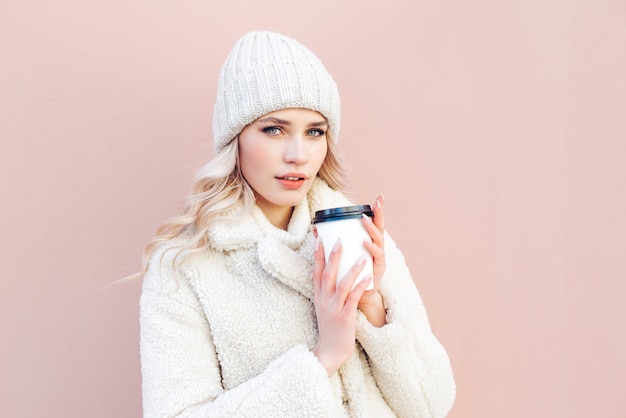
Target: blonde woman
240,314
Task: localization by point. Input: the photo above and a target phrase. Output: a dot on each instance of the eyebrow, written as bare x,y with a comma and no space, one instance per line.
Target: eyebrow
278,121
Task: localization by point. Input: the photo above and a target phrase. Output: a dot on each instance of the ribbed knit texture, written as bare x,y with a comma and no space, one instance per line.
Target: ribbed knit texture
265,72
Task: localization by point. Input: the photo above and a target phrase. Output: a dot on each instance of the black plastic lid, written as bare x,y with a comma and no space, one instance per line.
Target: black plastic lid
345,212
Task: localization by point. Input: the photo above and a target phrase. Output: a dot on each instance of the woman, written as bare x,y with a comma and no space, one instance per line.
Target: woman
240,314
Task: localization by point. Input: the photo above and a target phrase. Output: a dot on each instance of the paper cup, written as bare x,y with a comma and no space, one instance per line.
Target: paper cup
345,223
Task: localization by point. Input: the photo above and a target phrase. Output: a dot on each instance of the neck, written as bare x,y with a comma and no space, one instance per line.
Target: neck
278,216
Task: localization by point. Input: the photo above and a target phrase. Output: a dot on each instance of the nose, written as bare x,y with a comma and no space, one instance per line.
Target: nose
295,151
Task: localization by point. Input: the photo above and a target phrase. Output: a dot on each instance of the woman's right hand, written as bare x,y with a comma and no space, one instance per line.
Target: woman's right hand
335,307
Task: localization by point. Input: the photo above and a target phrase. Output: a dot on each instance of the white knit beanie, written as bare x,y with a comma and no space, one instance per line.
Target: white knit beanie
266,72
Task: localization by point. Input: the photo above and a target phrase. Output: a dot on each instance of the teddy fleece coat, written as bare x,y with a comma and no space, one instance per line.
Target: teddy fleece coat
230,332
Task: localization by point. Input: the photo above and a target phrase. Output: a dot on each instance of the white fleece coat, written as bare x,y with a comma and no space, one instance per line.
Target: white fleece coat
230,334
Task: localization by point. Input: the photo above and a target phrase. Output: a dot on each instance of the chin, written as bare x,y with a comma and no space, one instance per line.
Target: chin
292,200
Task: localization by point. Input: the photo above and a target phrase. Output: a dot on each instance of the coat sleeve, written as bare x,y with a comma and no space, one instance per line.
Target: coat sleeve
181,371
410,366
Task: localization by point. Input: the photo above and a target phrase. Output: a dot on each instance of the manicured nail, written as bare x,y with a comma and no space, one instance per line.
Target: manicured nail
317,244
361,260
337,245
367,218
380,200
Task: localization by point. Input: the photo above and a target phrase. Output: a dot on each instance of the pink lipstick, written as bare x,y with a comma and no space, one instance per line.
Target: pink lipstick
292,180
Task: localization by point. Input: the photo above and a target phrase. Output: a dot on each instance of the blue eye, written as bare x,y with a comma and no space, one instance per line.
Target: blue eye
316,132
271,130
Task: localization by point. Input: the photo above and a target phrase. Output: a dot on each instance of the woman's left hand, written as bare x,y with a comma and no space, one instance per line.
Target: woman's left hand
371,303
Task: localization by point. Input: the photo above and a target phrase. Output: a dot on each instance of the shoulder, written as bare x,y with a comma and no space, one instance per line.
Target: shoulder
166,264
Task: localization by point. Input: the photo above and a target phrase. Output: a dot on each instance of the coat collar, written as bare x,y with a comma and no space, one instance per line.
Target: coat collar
247,228
285,255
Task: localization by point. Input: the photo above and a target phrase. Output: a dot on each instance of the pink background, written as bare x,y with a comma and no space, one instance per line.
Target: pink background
496,130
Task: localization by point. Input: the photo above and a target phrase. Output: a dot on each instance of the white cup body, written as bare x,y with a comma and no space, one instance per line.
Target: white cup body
352,234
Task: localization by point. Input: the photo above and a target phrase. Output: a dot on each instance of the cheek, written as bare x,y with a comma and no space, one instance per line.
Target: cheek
251,158
320,154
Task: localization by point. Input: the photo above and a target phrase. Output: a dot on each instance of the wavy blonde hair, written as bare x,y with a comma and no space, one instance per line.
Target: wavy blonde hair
220,191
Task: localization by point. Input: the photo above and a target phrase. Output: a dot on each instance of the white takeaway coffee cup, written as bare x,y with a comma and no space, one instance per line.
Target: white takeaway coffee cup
345,223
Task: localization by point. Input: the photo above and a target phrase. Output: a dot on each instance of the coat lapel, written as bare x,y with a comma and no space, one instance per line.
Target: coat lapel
285,255
291,267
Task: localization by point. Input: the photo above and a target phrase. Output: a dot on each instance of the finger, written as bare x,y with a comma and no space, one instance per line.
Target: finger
380,263
379,216
347,282
376,251
329,275
355,295
376,235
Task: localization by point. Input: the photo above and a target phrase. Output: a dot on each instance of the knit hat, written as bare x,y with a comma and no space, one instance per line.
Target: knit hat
266,72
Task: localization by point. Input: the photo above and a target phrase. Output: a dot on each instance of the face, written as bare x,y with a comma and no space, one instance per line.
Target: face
279,156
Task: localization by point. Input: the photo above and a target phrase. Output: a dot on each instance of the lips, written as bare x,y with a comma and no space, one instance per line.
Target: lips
292,180
292,176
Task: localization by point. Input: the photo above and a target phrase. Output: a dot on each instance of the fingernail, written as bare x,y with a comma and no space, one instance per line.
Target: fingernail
380,200
361,260
367,218
317,244
337,245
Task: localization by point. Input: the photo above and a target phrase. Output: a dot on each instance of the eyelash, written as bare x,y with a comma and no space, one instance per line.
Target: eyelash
318,132
272,130
269,129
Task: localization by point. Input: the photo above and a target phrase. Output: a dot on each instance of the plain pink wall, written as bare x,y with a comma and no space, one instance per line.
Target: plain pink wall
496,130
